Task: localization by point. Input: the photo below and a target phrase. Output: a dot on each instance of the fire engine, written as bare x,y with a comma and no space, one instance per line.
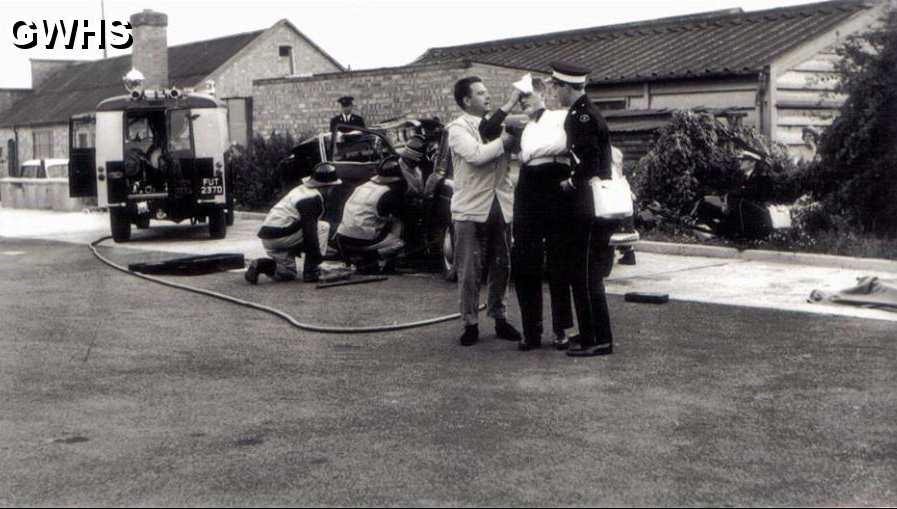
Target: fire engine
153,154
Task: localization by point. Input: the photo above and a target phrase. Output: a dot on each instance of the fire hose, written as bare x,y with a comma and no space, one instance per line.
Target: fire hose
276,312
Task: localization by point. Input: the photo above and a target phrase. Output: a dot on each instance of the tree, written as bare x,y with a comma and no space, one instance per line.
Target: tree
857,174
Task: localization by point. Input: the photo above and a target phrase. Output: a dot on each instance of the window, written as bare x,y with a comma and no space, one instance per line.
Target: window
43,144
11,158
180,143
610,104
239,117
286,59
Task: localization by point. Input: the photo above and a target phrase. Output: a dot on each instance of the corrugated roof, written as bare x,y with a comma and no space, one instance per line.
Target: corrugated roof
81,86
721,43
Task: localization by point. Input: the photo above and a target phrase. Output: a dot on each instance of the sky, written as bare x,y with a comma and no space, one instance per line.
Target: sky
358,34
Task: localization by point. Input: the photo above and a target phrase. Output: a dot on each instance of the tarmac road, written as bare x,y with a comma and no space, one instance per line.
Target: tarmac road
117,391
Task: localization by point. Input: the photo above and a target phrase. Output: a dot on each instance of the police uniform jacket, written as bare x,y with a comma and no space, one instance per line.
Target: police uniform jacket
588,139
352,119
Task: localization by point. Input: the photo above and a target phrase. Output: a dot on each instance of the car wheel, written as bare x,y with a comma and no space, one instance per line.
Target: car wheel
217,224
447,251
120,224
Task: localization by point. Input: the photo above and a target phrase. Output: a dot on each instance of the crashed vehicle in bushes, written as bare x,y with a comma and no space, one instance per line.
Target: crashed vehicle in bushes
356,155
158,154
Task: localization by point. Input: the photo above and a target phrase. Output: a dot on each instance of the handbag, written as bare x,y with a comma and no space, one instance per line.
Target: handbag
612,198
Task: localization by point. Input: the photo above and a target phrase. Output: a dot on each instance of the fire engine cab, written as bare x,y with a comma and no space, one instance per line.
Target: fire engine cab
158,154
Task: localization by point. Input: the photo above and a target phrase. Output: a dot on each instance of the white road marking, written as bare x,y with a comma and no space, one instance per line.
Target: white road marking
12,253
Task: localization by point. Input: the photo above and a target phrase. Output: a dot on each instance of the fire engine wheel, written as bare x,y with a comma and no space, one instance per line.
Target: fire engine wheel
449,273
217,224
120,224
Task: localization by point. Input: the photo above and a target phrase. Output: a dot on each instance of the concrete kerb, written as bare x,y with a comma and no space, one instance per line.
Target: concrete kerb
760,255
756,255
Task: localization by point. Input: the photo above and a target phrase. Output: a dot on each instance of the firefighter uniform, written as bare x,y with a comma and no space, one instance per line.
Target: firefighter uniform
590,257
292,227
370,228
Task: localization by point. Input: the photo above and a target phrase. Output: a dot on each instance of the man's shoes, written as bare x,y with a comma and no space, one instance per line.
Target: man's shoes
265,266
252,273
561,342
505,330
591,350
526,346
628,257
471,335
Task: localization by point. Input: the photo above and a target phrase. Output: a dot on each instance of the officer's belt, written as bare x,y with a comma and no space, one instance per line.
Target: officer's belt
549,160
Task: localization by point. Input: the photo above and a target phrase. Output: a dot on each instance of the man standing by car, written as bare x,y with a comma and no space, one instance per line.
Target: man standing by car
591,257
346,117
291,228
482,211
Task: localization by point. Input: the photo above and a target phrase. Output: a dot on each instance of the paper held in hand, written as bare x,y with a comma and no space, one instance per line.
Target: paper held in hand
525,84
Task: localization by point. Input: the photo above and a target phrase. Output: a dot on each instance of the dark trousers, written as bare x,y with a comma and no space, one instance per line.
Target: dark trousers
591,260
542,225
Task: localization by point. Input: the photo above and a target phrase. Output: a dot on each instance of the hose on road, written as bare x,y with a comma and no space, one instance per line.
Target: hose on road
276,312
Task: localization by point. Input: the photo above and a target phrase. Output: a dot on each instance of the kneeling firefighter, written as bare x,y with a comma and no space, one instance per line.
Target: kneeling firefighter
293,227
371,229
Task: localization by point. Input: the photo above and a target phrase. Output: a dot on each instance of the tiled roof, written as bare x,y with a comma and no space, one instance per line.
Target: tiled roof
722,43
79,87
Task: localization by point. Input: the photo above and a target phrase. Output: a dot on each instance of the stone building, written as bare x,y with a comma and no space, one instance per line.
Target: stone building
773,69
34,122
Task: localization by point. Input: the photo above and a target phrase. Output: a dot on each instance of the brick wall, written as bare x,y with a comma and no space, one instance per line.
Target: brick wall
305,105
263,61
150,51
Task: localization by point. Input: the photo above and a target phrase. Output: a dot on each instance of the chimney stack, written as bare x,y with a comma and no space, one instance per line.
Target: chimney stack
150,51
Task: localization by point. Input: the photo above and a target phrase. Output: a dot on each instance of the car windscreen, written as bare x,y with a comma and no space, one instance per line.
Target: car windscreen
58,171
360,147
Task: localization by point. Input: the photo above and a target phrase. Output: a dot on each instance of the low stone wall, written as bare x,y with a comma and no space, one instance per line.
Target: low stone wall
52,194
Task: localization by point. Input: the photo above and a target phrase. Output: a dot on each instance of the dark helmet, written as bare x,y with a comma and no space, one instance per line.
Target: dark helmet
324,174
389,168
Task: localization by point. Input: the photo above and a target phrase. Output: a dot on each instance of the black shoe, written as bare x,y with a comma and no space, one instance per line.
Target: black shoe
628,258
591,350
471,335
252,273
504,330
574,339
561,342
526,346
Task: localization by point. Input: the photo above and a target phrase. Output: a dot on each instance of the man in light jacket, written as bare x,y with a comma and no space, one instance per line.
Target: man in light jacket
482,210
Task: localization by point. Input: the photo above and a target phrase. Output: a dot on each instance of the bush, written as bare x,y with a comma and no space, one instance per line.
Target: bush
696,155
256,172
856,176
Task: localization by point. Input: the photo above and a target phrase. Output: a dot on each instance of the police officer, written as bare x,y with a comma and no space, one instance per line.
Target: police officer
293,226
591,257
346,117
371,228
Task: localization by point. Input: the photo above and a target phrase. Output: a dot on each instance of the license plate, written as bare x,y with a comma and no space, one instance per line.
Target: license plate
211,186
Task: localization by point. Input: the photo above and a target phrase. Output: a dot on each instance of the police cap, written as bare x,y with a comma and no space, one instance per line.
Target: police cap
345,100
566,72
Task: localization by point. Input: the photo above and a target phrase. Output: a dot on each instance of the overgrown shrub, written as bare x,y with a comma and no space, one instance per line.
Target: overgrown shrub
856,176
256,172
696,155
